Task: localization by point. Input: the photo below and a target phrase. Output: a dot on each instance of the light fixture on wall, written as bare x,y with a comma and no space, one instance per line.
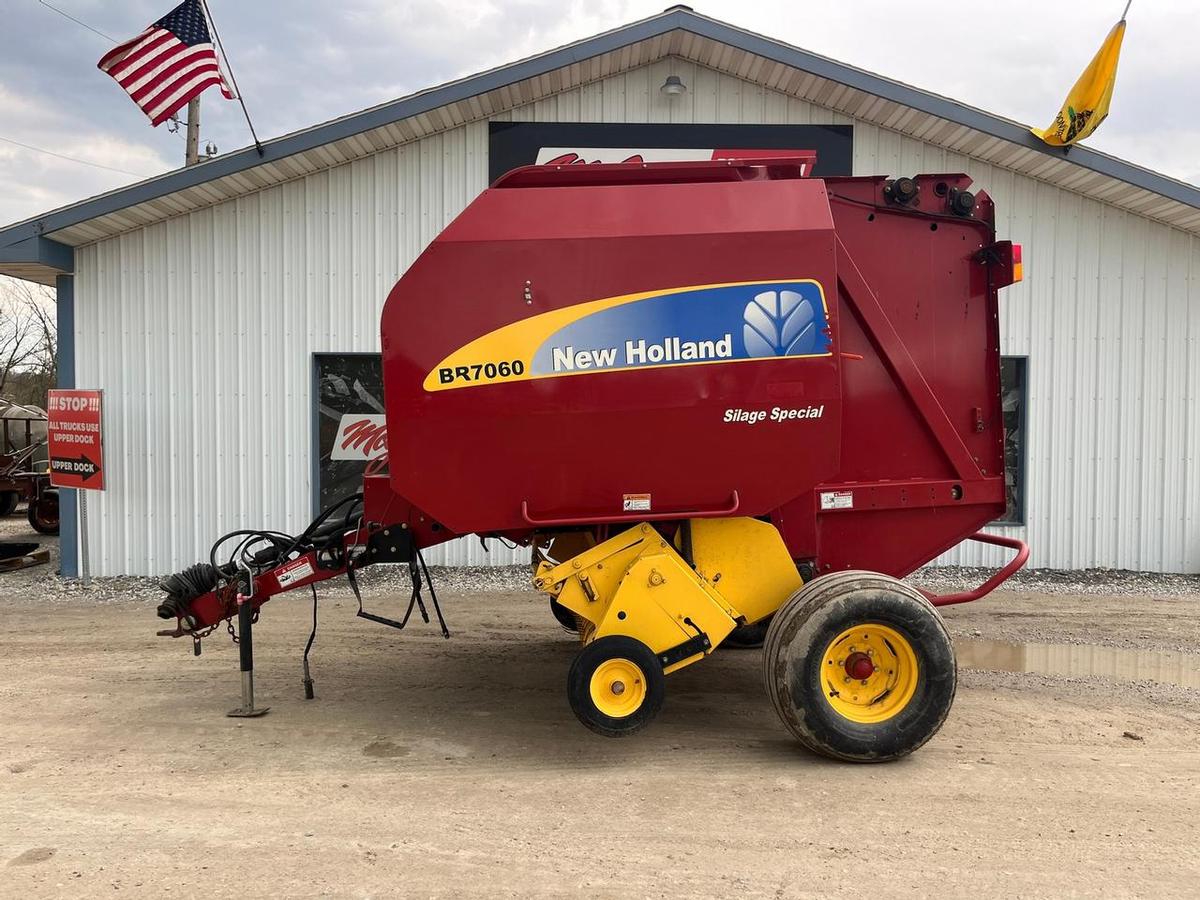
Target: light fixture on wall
673,87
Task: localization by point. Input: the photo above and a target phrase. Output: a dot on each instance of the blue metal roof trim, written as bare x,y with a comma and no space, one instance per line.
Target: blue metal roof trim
39,251
674,18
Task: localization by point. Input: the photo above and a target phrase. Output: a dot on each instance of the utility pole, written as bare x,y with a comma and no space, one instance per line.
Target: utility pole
193,132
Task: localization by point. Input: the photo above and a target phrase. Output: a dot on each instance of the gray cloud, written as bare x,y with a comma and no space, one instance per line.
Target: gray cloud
303,62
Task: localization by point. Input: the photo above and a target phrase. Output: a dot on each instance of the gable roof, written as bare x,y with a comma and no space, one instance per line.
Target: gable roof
35,248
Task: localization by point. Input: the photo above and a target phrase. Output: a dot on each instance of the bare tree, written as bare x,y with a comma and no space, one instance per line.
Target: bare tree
28,341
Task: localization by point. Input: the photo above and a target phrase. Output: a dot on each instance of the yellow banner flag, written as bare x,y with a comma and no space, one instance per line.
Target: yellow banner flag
1086,105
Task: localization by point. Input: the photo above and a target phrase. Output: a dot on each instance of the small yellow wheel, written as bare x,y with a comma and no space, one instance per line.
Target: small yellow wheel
870,672
615,686
618,687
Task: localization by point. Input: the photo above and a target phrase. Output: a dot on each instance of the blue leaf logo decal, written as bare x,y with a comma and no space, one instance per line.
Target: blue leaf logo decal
780,323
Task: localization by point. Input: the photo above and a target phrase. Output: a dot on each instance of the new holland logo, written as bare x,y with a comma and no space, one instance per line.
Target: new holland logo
697,325
779,323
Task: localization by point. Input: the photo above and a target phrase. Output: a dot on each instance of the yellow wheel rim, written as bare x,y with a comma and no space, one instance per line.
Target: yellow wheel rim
869,673
618,688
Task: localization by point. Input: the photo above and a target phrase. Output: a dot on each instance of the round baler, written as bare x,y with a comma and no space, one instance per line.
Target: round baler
708,396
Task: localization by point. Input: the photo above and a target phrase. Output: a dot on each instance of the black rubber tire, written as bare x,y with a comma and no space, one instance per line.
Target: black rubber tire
565,617
813,617
43,513
8,502
579,680
747,637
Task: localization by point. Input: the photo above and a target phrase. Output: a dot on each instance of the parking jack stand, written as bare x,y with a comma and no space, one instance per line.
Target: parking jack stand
246,649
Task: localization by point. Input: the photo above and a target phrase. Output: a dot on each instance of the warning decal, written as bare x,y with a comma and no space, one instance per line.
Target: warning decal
837,499
294,571
636,503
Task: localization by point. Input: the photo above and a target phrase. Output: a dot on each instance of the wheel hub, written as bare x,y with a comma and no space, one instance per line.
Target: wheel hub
618,687
869,673
859,666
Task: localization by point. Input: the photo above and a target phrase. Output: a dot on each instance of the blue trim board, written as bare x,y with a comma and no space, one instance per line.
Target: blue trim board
38,250
673,19
68,506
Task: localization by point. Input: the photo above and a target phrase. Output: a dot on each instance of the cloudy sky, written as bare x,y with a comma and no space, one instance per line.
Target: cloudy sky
301,62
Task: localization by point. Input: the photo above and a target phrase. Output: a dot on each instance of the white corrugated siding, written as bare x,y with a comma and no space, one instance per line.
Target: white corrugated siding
201,330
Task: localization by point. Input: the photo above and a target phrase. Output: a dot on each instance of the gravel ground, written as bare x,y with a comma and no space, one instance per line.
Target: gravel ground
438,768
453,769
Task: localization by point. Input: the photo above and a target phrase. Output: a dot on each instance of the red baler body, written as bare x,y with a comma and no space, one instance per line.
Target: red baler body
874,441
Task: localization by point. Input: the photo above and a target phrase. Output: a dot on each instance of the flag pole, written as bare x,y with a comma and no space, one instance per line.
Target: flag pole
1127,5
233,78
193,132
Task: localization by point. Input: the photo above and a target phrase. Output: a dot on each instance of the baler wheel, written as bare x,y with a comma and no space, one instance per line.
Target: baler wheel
565,617
859,667
616,686
8,502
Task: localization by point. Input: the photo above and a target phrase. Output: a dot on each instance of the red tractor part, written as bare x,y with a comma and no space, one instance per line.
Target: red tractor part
719,393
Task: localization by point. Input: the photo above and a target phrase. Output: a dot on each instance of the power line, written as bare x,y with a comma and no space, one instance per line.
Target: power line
73,159
67,15
106,37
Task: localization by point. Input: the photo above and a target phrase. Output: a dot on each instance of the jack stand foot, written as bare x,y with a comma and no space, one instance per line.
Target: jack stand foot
248,710
248,713
246,653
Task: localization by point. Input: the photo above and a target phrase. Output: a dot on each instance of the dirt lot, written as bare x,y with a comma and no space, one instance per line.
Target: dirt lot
455,768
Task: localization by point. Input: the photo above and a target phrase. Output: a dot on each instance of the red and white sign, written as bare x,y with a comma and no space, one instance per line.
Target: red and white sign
75,439
360,436
573,156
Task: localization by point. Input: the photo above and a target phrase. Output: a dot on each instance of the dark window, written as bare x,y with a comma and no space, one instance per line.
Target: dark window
350,437
514,144
1014,394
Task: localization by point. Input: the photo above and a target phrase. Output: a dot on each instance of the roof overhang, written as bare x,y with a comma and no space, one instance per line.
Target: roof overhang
36,259
677,32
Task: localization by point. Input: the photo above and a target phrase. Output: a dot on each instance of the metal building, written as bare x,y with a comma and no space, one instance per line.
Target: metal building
202,300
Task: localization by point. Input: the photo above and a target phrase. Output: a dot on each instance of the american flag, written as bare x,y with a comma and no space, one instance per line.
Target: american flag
167,64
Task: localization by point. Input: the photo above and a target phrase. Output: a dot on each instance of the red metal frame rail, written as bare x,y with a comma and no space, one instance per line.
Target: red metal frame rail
996,580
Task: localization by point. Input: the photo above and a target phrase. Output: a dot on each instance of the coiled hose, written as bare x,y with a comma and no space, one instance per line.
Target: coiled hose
184,587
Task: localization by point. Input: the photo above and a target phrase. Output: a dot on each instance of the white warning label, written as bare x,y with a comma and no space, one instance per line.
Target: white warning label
837,499
636,503
293,572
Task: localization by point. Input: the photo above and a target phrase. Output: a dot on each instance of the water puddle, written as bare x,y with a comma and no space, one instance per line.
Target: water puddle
1166,666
